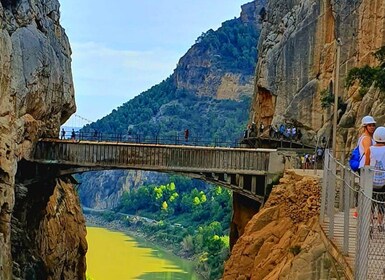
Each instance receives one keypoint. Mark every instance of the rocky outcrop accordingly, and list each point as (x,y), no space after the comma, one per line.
(36,96)
(201,70)
(283,241)
(297,61)
(48,232)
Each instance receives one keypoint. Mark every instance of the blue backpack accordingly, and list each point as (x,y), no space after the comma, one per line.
(355,159)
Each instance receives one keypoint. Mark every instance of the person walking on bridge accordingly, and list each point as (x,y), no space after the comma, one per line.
(63,134)
(365,141)
(376,159)
(368,125)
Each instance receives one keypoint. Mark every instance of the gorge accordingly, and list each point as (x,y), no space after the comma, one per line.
(42,228)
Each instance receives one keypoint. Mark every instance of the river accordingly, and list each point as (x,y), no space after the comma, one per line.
(114,255)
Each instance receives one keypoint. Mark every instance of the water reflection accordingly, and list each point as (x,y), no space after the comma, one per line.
(114,255)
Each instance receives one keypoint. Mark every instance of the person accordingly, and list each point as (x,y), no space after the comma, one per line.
(368,125)
(253,130)
(95,135)
(376,160)
(63,134)
(320,153)
(261,128)
(186,134)
(73,134)
(307,161)
(299,135)
(323,141)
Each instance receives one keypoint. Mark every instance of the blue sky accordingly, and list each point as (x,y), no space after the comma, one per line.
(121,48)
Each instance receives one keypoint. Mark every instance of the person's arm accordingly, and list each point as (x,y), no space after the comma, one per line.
(366,143)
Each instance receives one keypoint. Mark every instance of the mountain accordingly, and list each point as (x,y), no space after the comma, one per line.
(209,93)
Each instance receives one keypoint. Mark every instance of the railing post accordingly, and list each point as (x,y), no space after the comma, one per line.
(325,181)
(363,223)
(346,208)
(331,196)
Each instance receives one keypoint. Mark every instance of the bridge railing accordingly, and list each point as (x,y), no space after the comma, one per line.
(352,217)
(177,139)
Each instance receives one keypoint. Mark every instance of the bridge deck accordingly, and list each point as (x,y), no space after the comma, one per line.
(181,158)
(244,170)
(338,239)
(376,260)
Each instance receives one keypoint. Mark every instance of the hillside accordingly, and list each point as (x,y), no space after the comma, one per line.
(209,93)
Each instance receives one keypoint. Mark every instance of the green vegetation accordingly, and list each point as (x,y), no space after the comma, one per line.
(233,45)
(195,220)
(367,76)
(327,98)
(166,110)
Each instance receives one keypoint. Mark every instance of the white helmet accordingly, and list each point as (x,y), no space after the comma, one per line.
(379,134)
(367,120)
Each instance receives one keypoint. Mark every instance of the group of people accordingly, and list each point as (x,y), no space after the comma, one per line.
(310,161)
(371,145)
(63,134)
(283,131)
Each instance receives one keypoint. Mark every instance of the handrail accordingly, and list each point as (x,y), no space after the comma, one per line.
(145,139)
(343,191)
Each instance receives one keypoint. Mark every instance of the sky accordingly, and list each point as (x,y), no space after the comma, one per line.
(121,48)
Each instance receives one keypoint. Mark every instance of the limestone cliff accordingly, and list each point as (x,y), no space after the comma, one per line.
(283,240)
(205,68)
(297,61)
(36,96)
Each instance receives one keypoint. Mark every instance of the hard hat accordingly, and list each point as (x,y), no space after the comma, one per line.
(379,134)
(367,120)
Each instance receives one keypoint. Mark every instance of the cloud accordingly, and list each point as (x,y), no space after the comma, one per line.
(135,71)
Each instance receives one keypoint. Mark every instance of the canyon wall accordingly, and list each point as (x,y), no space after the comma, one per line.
(297,63)
(36,97)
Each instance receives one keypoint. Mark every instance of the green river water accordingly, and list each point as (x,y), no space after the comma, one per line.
(116,256)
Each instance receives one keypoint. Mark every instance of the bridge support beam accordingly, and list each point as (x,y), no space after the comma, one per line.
(244,209)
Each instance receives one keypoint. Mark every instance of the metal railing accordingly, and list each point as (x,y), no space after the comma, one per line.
(146,139)
(352,217)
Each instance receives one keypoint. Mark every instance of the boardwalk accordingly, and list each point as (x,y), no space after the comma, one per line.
(338,238)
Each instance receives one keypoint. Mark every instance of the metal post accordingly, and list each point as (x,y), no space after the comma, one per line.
(336,97)
(331,196)
(363,226)
(324,185)
(348,181)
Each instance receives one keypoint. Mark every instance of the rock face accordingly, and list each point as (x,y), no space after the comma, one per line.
(103,189)
(283,240)
(297,61)
(36,96)
(201,70)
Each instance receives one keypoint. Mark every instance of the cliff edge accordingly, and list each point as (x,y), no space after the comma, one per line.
(283,241)
(36,97)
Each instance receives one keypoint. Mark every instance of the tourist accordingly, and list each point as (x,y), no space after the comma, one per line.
(376,159)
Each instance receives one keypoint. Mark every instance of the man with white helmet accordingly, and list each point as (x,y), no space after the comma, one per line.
(376,159)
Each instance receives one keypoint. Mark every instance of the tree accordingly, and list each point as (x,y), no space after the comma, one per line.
(367,76)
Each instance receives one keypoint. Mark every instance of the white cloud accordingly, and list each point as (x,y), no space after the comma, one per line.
(137,70)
